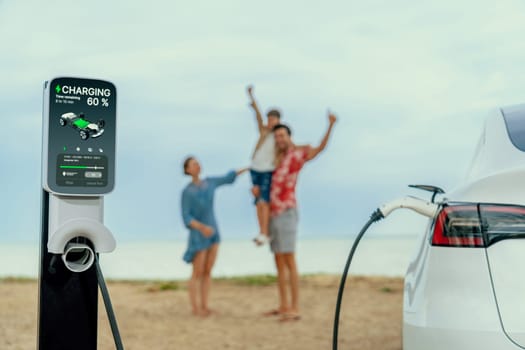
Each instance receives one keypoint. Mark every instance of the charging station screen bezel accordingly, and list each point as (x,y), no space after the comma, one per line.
(79,136)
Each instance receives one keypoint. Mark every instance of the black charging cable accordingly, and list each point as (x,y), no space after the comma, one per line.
(376,216)
(109,307)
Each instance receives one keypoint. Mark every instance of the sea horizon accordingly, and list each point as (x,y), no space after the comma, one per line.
(162,259)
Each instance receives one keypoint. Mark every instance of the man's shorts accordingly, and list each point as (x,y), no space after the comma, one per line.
(283,231)
(264,181)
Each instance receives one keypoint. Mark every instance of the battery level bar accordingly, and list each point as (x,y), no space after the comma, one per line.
(81,167)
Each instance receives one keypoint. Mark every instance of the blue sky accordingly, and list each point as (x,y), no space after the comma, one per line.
(410,81)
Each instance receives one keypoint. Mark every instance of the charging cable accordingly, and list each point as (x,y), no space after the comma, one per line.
(376,216)
(418,205)
(109,307)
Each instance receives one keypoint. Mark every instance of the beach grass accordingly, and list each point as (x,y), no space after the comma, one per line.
(17,279)
(164,286)
(246,280)
(251,280)
(177,284)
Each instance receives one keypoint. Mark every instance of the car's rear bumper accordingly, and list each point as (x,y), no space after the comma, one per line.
(427,338)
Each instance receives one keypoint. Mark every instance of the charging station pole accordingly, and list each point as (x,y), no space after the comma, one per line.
(78,168)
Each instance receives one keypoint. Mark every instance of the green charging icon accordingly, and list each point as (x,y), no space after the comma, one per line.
(58,89)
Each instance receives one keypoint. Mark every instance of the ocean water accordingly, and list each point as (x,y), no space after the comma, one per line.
(153,260)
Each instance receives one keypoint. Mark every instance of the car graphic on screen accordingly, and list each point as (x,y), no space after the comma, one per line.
(85,128)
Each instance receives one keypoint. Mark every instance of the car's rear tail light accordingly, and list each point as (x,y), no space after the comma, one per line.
(458,226)
(473,226)
(502,222)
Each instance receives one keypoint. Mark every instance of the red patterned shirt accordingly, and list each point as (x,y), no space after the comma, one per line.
(284,179)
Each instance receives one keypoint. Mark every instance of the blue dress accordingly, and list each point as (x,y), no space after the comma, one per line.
(197,204)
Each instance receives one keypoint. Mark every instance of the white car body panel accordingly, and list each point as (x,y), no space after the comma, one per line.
(451,293)
(473,297)
(495,152)
(507,264)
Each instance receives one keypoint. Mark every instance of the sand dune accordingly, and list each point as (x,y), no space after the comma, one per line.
(152,318)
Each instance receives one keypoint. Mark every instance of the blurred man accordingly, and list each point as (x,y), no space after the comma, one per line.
(283,223)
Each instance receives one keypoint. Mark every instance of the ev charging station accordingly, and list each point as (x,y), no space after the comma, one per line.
(78,169)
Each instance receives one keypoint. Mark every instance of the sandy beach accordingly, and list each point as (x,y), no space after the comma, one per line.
(156,315)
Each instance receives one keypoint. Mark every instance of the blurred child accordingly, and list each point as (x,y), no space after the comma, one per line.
(262,167)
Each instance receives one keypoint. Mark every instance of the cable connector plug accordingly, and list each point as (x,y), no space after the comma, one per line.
(418,205)
(377,215)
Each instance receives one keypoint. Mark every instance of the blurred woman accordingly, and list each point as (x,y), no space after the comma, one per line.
(204,237)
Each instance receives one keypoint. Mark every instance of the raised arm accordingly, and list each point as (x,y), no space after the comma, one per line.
(314,151)
(226,179)
(253,104)
(242,170)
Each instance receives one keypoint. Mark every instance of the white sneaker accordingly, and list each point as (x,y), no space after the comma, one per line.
(261,239)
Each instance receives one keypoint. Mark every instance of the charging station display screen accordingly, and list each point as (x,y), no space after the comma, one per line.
(79,141)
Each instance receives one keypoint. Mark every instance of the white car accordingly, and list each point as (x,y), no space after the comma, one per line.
(465,285)
(85,128)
